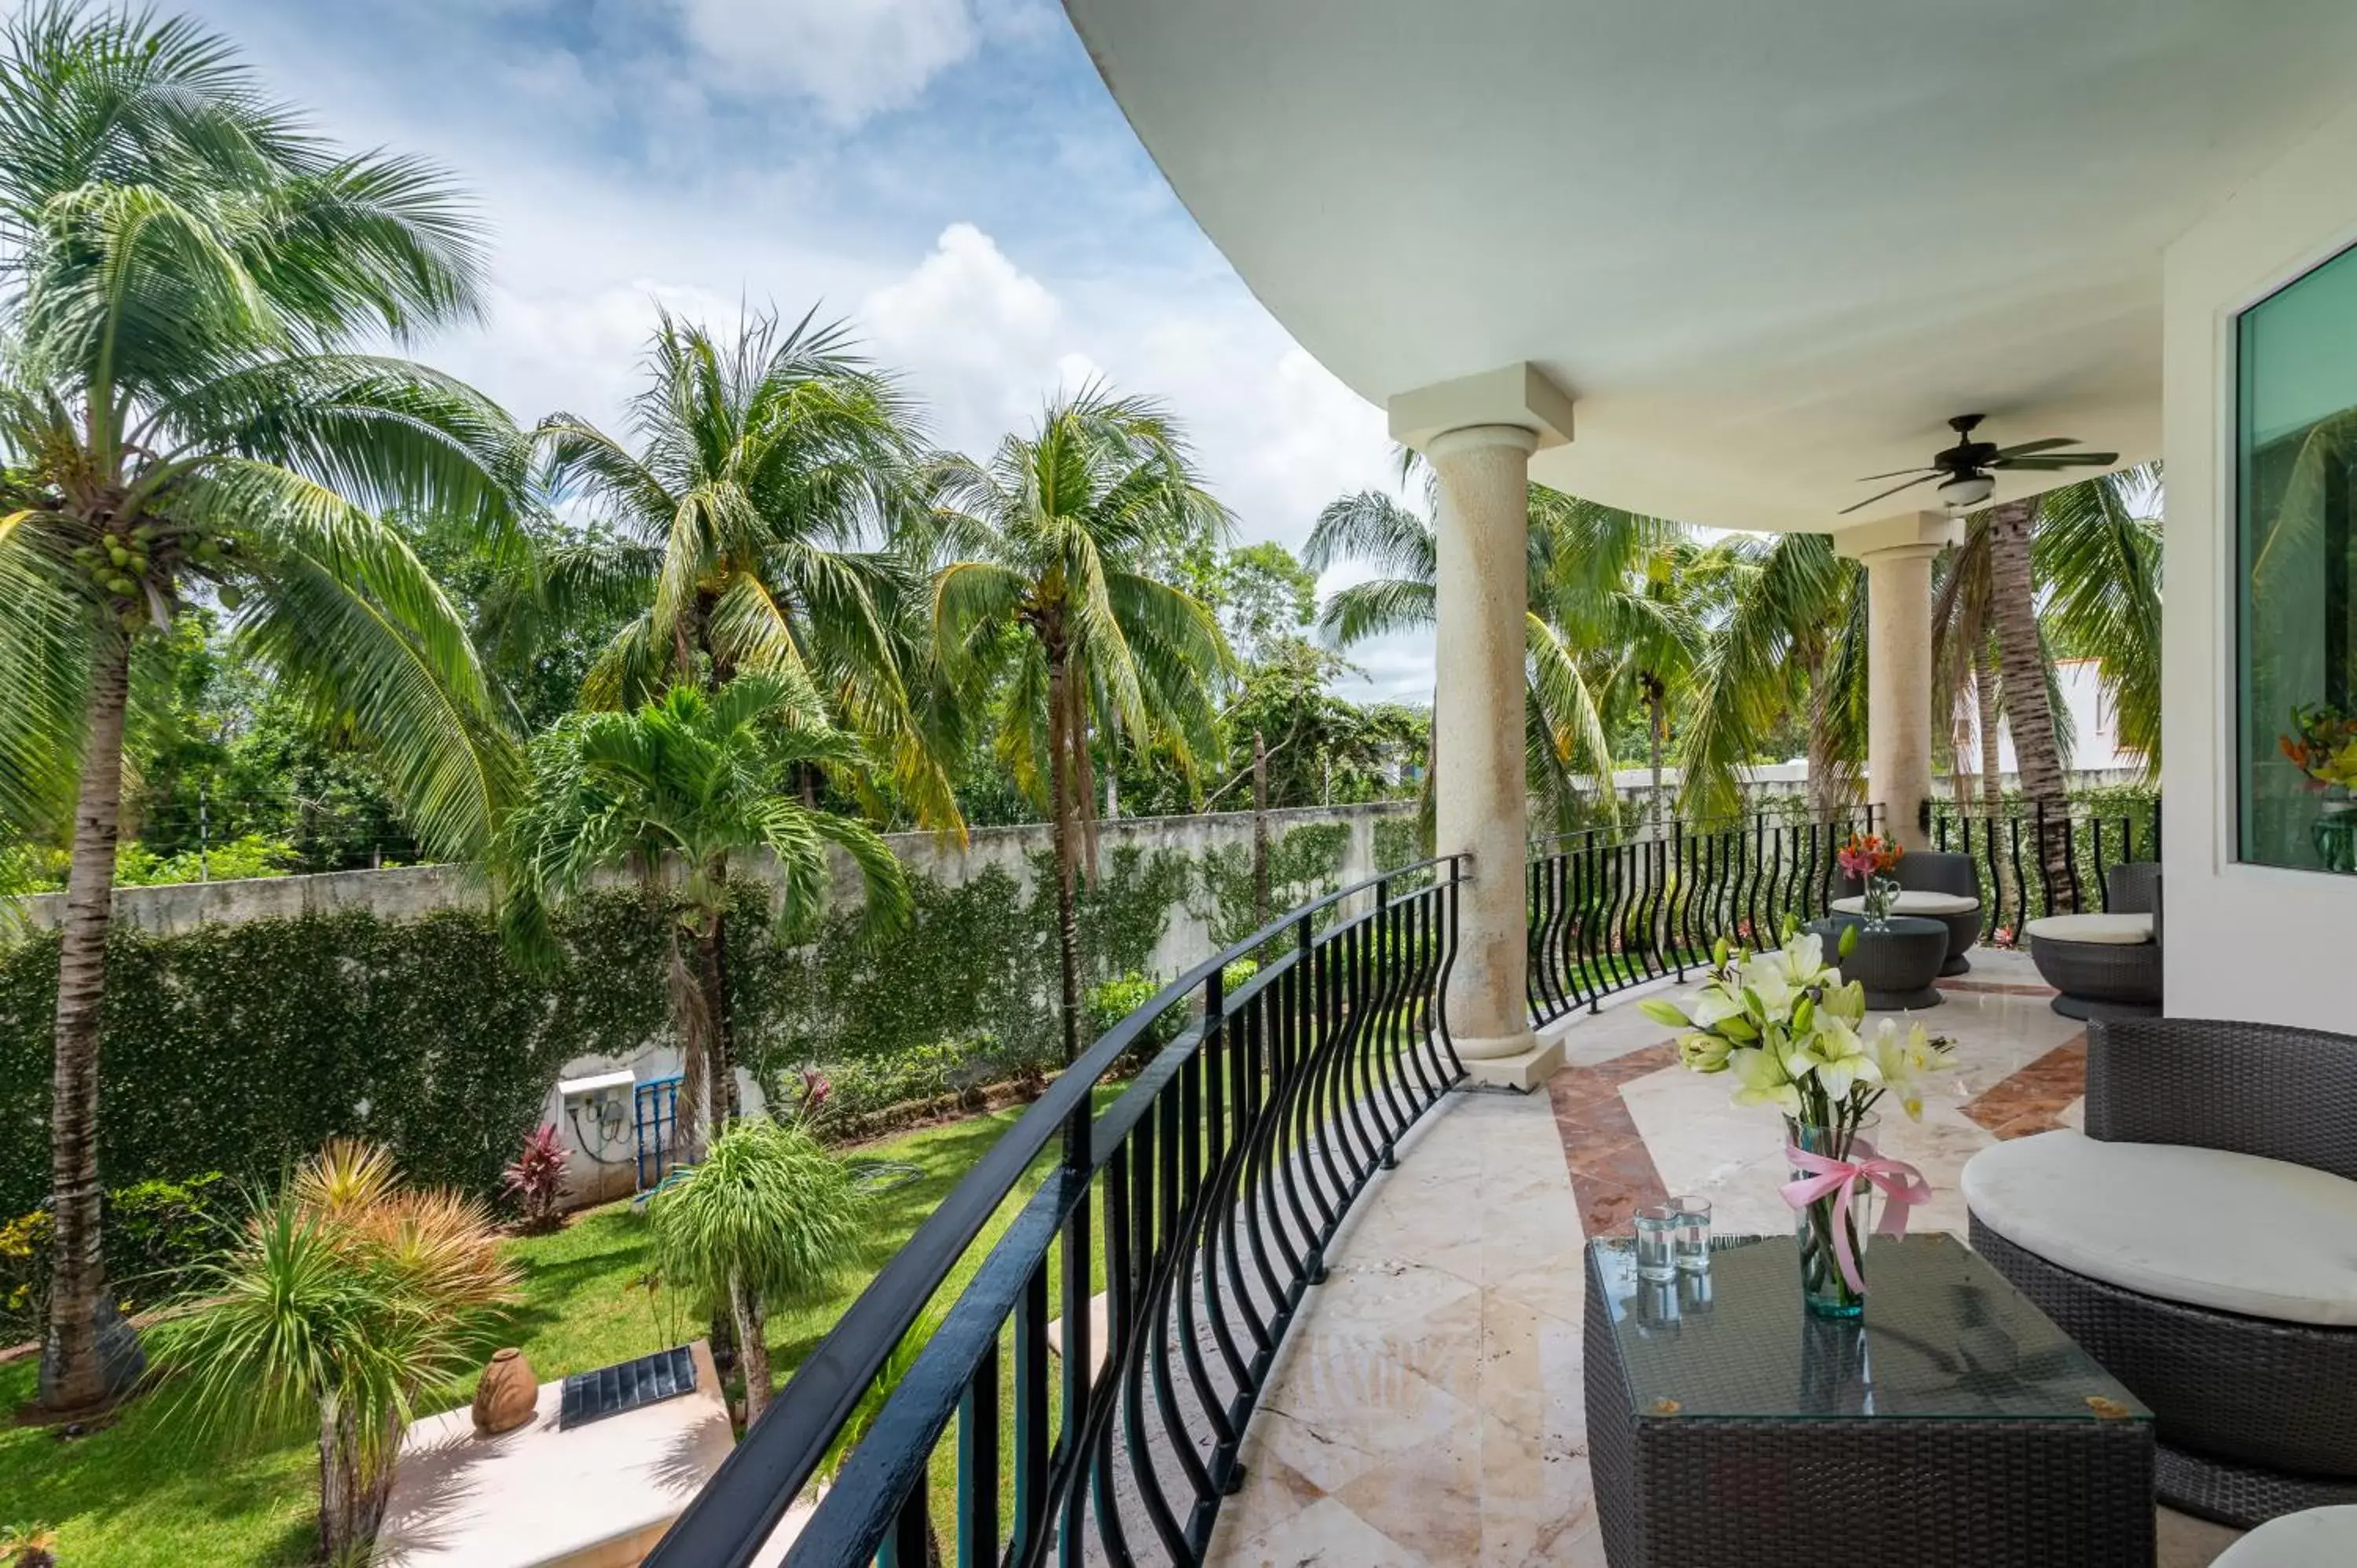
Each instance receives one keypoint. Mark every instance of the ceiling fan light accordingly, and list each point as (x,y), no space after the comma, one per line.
(1966,490)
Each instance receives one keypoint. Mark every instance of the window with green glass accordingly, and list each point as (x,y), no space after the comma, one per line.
(2296,655)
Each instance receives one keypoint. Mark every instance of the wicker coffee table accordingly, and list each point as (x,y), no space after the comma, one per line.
(1954,1427)
(1896,964)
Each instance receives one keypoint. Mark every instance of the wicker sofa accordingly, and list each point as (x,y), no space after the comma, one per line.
(2106,965)
(1934,886)
(2196,1241)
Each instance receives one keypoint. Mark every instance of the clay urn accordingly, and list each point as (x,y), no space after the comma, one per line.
(506,1395)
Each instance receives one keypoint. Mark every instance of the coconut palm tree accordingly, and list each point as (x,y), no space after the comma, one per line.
(673,792)
(1791,639)
(346,1299)
(185,415)
(1046,586)
(749,519)
(769,1217)
(2075,566)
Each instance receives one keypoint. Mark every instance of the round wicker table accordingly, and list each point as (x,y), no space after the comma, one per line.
(1896,964)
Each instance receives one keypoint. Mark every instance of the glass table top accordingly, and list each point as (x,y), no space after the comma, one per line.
(1944,1337)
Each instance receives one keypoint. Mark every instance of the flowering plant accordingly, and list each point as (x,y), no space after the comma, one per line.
(536,1177)
(1863,855)
(2324,745)
(1792,1034)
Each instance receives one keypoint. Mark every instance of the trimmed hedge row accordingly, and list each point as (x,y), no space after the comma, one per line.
(241,1048)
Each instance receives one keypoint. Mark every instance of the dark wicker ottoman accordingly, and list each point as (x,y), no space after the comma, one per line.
(1897,966)
(1954,1427)
(2100,980)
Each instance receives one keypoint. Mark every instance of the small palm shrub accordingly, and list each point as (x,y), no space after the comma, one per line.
(768,1217)
(536,1177)
(34,1546)
(346,1298)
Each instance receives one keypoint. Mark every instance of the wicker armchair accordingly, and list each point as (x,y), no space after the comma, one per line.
(2256,1413)
(2106,965)
(1954,886)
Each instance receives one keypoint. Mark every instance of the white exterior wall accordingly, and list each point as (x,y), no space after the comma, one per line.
(2244,941)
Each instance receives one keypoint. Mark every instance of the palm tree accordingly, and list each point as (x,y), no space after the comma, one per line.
(769,1217)
(1050,542)
(751,529)
(184,417)
(2074,566)
(345,1300)
(1791,639)
(671,793)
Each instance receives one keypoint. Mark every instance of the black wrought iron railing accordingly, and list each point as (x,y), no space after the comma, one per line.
(2035,860)
(1181,1225)
(1613,908)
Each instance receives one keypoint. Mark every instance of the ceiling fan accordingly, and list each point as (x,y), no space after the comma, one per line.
(1968,463)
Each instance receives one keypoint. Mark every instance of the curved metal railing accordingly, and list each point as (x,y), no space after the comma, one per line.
(1198,1205)
(1610,908)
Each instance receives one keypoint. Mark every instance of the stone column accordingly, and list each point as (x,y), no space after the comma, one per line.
(1898,555)
(1481,793)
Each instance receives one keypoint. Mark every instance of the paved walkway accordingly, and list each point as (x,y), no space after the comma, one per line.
(1427,1409)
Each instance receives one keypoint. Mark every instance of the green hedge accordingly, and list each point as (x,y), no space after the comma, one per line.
(241,1048)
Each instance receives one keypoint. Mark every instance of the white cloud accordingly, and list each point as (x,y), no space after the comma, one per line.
(855,58)
(981,340)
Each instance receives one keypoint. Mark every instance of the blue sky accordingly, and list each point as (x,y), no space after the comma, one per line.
(949,174)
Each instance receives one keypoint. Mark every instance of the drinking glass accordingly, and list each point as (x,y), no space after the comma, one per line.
(1692,1243)
(1657,1232)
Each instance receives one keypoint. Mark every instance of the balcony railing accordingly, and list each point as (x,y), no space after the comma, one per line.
(1181,1217)
(1612,908)
(1199,1203)
(2034,860)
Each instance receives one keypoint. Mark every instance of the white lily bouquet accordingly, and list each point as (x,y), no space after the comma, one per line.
(1793,1033)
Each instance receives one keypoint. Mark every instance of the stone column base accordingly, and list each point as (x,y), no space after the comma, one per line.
(1520,1062)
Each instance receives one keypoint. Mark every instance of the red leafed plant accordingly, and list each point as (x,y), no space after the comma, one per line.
(537,1178)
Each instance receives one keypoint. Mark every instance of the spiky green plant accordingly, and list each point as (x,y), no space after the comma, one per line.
(769,1217)
(347,1298)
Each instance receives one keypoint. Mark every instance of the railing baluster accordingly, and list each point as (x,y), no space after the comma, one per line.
(977,1466)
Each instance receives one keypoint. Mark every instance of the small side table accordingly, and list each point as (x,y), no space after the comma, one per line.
(1953,1426)
(1896,965)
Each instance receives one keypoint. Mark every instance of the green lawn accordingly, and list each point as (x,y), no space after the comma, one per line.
(139,1495)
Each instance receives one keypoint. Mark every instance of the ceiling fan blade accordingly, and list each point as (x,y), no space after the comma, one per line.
(1893,490)
(1895,473)
(2029,448)
(2060,460)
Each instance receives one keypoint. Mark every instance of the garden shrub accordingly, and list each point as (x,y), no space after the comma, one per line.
(156,1232)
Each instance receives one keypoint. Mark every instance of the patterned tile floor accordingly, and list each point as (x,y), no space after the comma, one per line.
(1428,1411)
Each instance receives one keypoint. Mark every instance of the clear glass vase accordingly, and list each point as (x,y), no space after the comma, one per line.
(2335,832)
(1881,897)
(1819,1227)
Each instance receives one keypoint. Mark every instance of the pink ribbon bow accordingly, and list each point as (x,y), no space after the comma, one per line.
(1900,1184)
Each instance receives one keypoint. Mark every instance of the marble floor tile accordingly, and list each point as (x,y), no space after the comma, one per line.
(1427,1408)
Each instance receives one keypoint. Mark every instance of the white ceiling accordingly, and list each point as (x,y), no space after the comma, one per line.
(1768,245)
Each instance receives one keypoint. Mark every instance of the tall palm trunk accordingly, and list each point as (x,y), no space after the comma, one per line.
(2014,606)
(690,1017)
(89,1355)
(1824,760)
(1656,736)
(1060,809)
(752,1345)
(1992,778)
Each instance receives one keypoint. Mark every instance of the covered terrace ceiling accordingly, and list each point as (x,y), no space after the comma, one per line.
(1768,247)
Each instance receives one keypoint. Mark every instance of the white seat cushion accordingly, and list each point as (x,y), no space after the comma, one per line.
(2232,1232)
(1912,903)
(2317,1538)
(2113,930)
